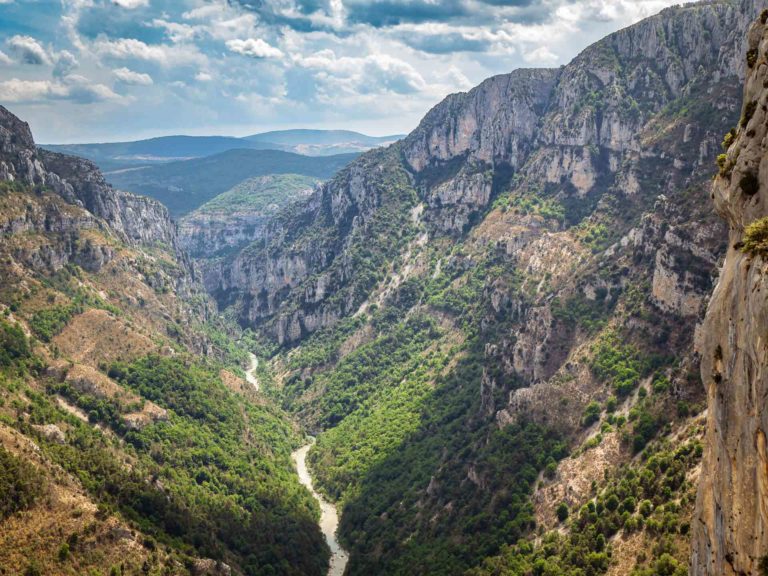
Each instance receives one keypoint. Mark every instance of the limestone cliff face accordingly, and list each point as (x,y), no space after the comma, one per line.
(134,218)
(86,202)
(596,132)
(730,531)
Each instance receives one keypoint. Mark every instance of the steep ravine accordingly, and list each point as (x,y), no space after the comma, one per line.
(730,528)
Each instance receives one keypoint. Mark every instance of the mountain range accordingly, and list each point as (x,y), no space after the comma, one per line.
(111,156)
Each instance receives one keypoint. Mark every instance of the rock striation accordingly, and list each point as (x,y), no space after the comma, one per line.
(135,220)
(730,530)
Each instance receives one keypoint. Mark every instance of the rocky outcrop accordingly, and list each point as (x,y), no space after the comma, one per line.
(730,531)
(79,182)
(82,200)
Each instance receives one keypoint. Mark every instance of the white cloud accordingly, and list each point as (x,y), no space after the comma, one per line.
(75,88)
(254,47)
(541,56)
(131,4)
(161,54)
(176,31)
(4,59)
(128,76)
(369,74)
(203,77)
(29,51)
(65,64)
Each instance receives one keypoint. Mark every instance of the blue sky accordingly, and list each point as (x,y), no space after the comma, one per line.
(102,70)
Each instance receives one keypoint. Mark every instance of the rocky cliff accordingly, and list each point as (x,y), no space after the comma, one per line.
(575,134)
(79,182)
(730,532)
(135,220)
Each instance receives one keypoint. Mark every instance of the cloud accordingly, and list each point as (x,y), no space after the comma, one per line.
(176,31)
(375,73)
(73,88)
(29,51)
(203,77)
(128,76)
(4,59)
(541,56)
(65,64)
(131,4)
(161,54)
(254,47)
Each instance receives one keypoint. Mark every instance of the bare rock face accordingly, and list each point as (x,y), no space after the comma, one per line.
(78,183)
(730,531)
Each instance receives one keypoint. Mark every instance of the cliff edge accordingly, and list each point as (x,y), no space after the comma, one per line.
(729,529)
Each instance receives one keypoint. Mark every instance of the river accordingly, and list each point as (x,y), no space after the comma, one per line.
(250,374)
(329,517)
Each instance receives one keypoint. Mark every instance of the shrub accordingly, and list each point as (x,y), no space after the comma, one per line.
(749,111)
(728,140)
(20,484)
(756,238)
(562,512)
(63,552)
(591,414)
(752,57)
(610,405)
(14,346)
(749,184)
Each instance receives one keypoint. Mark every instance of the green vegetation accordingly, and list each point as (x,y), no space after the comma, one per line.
(591,413)
(14,346)
(48,322)
(617,363)
(21,484)
(184,186)
(583,313)
(650,498)
(221,480)
(755,240)
(749,111)
(259,194)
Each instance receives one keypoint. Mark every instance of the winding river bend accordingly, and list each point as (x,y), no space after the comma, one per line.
(250,374)
(329,518)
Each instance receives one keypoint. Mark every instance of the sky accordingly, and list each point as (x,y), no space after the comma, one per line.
(110,70)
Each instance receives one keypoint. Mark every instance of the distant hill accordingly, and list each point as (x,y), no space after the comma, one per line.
(119,155)
(236,218)
(111,156)
(323,142)
(185,185)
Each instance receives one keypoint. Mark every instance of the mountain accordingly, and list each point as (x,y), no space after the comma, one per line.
(115,156)
(185,185)
(489,324)
(732,507)
(237,218)
(323,142)
(130,443)
(112,156)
